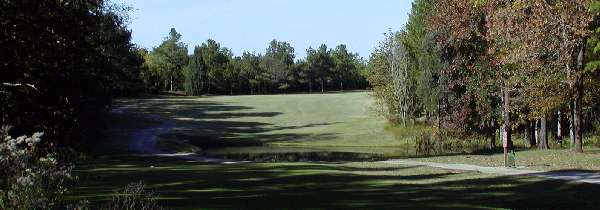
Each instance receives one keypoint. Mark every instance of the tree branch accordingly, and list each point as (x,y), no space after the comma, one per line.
(20,85)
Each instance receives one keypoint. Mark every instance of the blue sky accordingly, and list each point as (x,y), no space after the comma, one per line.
(249,25)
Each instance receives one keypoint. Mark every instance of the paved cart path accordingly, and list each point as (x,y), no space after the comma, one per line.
(577,176)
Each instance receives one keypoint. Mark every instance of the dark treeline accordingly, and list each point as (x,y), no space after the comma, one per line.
(494,66)
(213,69)
(61,63)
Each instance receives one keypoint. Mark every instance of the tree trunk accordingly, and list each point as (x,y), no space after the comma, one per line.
(543,139)
(341,86)
(536,128)
(492,134)
(322,85)
(559,127)
(571,125)
(310,89)
(506,134)
(577,123)
(507,140)
(532,138)
(493,139)
(208,87)
(578,98)
(171,81)
(527,132)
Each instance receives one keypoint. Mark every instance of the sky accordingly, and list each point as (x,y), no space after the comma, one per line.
(249,25)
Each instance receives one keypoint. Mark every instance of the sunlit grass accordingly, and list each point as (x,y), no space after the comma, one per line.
(554,159)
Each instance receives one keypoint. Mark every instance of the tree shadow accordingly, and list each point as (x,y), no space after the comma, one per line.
(186,184)
(210,124)
(476,151)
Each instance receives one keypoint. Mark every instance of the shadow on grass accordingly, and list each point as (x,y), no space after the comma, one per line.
(187,185)
(476,151)
(207,124)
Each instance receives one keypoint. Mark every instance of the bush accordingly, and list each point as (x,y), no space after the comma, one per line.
(134,197)
(30,179)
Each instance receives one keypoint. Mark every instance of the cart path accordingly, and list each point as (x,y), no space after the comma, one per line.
(577,176)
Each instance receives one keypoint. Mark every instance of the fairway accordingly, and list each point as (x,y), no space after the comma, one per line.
(332,122)
(286,124)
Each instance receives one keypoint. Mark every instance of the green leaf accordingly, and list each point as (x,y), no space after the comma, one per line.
(592,66)
(2,206)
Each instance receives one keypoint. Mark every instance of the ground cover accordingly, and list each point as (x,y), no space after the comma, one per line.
(285,124)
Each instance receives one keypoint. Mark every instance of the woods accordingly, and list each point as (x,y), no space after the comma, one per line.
(214,69)
(479,67)
(61,64)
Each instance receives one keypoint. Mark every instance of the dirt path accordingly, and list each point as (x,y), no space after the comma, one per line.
(577,176)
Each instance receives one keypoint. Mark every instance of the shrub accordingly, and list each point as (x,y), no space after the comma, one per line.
(134,197)
(30,179)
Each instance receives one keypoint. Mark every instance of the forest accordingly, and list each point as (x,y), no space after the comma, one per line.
(494,69)
(212,69)
(523,73)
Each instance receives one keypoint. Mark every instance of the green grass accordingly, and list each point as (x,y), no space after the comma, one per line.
(329,120)
(299,123)
(192,185)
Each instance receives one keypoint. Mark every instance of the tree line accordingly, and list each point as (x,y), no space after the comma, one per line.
(213,69)
(61,64)
(491,67)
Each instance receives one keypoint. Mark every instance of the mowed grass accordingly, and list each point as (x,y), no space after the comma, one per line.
(318,120)
(194,185)
(289,123)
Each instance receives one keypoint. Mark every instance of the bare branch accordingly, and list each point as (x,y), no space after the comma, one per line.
(20,85)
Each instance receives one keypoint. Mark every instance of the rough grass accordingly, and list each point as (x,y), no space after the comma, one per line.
(546,160)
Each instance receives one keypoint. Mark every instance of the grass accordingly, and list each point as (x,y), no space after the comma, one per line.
(545,160)
(193,185)
(304,123)
(315,121)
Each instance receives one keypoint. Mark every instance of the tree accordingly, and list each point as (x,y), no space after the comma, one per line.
(551,64)
(149,73)
(277,63)
(250,71)
(194,74)
(304,75)
(343,65)
(424,58)
(65,58)
(232,73)
(170,58)
(215,60)
(397,58)
(471,87)
(320,64)
(378,77)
